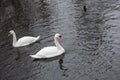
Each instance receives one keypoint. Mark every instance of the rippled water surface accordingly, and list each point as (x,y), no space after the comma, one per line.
(91,39)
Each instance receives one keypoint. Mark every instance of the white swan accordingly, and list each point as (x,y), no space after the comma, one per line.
(51,51)
(26,40)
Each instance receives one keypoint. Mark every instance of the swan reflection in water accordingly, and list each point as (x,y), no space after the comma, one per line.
(60,58)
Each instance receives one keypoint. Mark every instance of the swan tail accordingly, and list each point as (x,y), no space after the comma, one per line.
(35,56)
(37,37)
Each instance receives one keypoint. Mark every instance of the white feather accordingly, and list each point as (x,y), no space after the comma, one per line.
(26,40)
(50,51)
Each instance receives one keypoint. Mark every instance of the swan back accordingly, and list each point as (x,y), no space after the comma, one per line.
(26,41)
(48,52)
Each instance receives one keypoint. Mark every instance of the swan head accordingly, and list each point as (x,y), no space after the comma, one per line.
(11,32)
(58,36)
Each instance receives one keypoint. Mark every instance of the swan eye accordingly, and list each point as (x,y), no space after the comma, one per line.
(60,36)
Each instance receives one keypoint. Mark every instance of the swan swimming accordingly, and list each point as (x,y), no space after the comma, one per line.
(51,51)
(26,40)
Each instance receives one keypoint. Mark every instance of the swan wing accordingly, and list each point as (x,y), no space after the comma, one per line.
(48,52)
(25,41)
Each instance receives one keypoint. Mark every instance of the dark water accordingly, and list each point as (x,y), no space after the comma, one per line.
(91,39)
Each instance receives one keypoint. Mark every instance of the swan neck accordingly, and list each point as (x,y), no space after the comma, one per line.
(58,44)
(14,38)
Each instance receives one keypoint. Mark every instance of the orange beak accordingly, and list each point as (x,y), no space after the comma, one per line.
(9,34)
(61,38)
